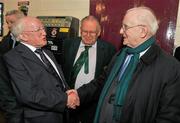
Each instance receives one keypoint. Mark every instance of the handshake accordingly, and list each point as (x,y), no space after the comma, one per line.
(73,99)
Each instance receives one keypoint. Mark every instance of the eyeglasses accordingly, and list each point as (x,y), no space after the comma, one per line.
(37,29)
(89,32)
(126,27)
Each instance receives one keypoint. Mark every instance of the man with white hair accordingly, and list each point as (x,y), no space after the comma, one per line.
(8,42)
(8,102)
(143,82)
(77,73)
(36,77)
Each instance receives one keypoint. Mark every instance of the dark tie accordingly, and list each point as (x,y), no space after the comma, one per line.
(14,42)
(82,60)
(49,66)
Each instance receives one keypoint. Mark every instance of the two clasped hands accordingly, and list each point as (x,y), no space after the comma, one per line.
(73,99)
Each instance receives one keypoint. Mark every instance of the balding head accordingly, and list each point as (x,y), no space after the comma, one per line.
(90,30)
(144,16)
(91,19)
(138,25)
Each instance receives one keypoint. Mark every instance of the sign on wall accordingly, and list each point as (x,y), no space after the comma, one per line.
(23,6)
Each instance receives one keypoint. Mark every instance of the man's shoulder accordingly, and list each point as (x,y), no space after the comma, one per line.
(105,44)
(15,52)
(11,52)
(6,37)
(156,54)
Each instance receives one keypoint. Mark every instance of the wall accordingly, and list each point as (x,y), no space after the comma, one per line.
(177,35)
(76,8)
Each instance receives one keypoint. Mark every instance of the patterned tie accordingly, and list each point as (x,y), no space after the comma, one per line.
(82,60)
(49,66)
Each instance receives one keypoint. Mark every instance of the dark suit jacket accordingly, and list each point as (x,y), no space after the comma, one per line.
(8,102)
(105,51)
(6,44)
(40,93)
(177,53)
(153,94)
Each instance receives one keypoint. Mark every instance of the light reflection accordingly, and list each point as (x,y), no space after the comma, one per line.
(170,31)
(100,7)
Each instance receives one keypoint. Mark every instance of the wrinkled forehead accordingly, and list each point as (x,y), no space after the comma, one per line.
(136,16)
(89,22)
(34,23)
(130,18)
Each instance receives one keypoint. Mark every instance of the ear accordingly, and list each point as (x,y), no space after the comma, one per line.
(144,31)
(23,37)
(80,30)
(99,32)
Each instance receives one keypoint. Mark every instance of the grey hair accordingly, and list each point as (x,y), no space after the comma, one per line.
(91,18)
(147,18)
(19,14)
(18,28)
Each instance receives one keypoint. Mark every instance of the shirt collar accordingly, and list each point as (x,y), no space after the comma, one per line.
(143,52)
(30,46)
(82,45)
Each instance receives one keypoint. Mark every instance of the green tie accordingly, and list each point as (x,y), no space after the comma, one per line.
(83,59)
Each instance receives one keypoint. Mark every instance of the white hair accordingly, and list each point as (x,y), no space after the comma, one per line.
(18,28)
(146,16)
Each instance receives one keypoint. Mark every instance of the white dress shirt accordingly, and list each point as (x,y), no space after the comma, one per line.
(32,48)
(83,78)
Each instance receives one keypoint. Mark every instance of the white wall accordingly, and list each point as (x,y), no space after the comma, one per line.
(75,8)
(177,34)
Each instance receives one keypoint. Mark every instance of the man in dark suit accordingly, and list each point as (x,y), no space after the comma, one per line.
(8,42)
(142,82)
(9,104)
(99,55)
(37,79)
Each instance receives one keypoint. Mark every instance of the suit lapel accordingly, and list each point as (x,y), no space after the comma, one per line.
(28,54)
(73,51)
(58,67)
(100,56)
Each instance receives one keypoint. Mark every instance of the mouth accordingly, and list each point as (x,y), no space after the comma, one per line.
(123,37)
(44,38)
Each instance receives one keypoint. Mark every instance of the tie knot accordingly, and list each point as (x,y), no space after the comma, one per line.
(87,47)
(39,51)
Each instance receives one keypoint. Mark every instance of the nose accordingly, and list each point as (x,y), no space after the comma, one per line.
(121,31)
(44,32)
(88,34)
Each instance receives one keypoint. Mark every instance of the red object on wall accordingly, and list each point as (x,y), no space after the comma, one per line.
(111,12)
